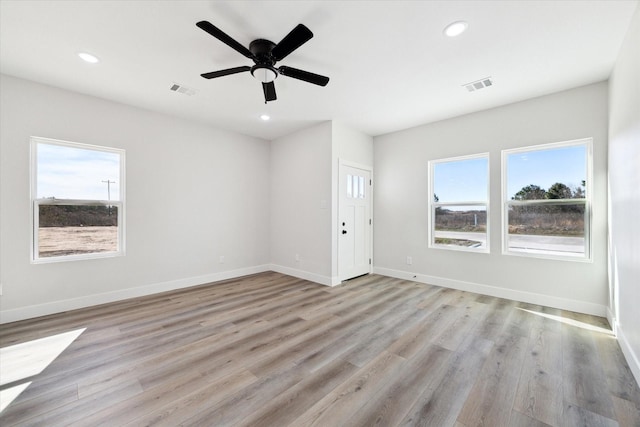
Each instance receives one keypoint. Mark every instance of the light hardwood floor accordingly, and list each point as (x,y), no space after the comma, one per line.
(272,350)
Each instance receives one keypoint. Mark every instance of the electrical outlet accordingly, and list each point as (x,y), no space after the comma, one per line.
(221,259)
(409,260)
(297,257)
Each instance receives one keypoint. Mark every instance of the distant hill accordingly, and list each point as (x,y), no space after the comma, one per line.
(77,216)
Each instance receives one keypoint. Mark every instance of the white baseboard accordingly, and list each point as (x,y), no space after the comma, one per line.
(301,274)
(32,311)
(633,359)
(511,294)
(28,312)
(612,321)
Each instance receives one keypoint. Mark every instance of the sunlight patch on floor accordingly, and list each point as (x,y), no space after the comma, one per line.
(22,361)
(570,322)
(8,395)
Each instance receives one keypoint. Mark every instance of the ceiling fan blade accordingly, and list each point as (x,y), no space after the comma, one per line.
(224,38)
(296,38)
(269,90)
(226,72)
(306,76)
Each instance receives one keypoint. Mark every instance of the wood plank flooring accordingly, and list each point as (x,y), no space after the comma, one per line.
(273,350)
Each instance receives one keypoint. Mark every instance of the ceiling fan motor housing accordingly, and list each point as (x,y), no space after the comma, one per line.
(264,69)
(261,49)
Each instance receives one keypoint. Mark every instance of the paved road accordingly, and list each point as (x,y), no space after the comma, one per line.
(477,237)
(521,242)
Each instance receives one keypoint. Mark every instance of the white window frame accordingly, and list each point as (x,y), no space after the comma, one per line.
(36,203)
(587,201)
(432,204)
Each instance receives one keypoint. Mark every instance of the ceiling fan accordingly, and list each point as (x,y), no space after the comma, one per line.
(265,54)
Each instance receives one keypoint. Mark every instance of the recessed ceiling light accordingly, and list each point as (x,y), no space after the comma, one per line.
(265,117)
(92,59)
(455,28)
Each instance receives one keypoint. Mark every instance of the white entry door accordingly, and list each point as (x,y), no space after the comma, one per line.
(354,222)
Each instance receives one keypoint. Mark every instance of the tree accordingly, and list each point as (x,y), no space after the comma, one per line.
(530,192)
(559,191)
(580,192)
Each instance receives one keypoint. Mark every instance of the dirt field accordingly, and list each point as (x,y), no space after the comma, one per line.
(58,241)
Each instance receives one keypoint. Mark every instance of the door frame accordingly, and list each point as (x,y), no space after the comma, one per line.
(342,163)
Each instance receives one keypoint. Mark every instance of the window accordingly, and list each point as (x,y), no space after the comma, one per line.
(459,203)
(355,187)
(546,192)
(77,194)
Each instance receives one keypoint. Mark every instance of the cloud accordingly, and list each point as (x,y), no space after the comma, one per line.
(73,173)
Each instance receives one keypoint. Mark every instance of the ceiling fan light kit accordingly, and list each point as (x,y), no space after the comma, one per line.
(263,73)
(265,54)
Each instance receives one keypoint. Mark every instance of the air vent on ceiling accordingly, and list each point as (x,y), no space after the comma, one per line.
(182,89)
(478,84)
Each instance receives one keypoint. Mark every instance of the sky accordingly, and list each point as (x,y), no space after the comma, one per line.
(462,180)
(466,180)
(74,173)
(567,165)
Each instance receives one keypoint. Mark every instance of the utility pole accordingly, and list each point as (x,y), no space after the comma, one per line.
(109,192)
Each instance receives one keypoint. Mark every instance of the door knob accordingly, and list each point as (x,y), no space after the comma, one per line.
(344,231)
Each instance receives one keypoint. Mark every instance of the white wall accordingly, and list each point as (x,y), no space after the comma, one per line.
(300,206)
(400,201)
(624,196)
(194,194)
(352,145)
(304,198)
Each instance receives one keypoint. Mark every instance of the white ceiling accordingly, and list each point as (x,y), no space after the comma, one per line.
(390,65)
